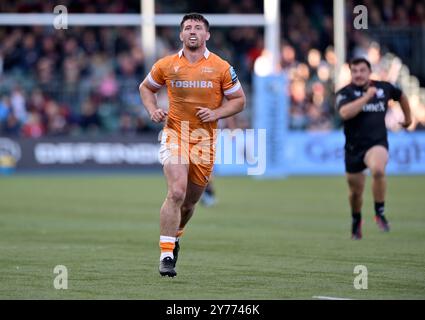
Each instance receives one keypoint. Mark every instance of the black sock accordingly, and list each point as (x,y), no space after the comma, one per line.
(357,216)
(357,219)
(379,208)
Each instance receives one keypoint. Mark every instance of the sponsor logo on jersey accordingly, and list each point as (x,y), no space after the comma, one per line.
(207,69)
(374,107)
(191,84)
(380,93)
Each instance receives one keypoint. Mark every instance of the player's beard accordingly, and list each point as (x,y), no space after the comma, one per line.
(193,47)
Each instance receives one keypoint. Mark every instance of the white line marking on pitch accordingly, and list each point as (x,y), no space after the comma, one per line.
(329,298)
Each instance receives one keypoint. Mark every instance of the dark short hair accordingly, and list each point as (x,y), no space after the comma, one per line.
(357,61)
(197,17)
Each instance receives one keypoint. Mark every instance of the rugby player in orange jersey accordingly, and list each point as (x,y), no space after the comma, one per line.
(197,80)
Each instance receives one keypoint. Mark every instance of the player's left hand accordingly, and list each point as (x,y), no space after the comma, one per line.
(206,114)
(406,123)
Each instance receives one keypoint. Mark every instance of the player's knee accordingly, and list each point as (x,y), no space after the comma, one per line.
(355,188)
(177,194)
(378,172)
(356,193)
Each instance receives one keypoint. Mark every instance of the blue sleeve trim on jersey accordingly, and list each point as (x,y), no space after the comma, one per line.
(233,74)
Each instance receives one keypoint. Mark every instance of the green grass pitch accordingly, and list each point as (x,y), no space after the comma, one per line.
(266,239)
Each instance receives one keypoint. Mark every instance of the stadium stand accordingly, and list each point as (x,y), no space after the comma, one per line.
(83,80)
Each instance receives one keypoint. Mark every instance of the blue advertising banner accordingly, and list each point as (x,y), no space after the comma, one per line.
(314,153)
(323,153)
(305,153)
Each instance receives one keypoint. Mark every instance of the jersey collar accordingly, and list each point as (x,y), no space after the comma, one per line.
(206,53)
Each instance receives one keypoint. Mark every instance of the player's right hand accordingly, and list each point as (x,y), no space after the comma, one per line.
(158,115)
(370,92)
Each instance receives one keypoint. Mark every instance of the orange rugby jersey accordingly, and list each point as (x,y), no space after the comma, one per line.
(201,84)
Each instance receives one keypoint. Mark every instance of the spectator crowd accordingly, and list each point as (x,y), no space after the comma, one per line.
(84,80)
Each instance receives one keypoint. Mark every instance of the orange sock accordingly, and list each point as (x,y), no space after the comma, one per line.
(166,245)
